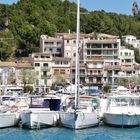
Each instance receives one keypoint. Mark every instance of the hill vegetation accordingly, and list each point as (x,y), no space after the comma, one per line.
(22,24)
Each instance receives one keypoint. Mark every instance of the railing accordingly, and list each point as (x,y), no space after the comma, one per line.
(112,67)
(45,76)
(45,68)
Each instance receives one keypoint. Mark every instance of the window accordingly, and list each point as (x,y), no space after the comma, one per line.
(36,56)
(126,54)
(44,73)
(107,46)
(56,71)
(62,71)
(45,64)
(115,45)
(58,50)
(37,82)
(88,52)
(88,45)
(90,72)
(45,81)
(37,64)
(65,62)
(42,56)
(50,49)
(96,45)
(57,62)
(59,43)
(47,56)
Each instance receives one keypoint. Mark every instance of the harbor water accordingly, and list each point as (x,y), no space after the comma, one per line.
(55,133)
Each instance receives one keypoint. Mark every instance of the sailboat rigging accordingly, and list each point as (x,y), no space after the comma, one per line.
(80,112)
(77,57)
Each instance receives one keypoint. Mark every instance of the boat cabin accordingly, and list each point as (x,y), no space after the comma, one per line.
(53,104)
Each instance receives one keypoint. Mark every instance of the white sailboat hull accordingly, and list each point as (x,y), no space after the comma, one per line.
(39,119)
(79,120)
(8,119)
(126,120)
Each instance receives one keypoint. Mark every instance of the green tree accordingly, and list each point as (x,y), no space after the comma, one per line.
(27,76)
(60,80)
(106,88)
(123,81)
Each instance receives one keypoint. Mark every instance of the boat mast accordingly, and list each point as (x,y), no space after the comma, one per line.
(77,56)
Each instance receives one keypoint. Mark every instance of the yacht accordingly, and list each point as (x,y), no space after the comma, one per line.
(9,117)
(42,112)
(123,109)
(10,110)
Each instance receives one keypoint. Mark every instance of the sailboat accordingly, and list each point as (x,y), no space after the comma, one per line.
(9,115)
(83,113)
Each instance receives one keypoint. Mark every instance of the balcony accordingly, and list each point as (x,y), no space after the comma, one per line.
(109,74)
(112,67)
(95,74)
(45,69)
(45,76)
(127,68)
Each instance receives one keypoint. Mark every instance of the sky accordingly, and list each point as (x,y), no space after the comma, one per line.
(116,6)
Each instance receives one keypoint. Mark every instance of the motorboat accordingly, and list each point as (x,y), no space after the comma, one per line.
(10,111)
(9,118)
(123,110)
(42,112)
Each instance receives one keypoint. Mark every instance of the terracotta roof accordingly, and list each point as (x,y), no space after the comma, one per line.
(24,65)
(14,64)
(43,54)
(7,64)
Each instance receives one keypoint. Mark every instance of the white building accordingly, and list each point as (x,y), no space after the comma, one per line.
(127,61)
(132,40)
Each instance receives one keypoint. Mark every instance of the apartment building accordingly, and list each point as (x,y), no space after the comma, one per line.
(82,73)
(108,48)
(111,69)
(127,60)
(51,45)
(61,71)
(98,54)
(42,63)
(132,40)
(95,71)
(101,58)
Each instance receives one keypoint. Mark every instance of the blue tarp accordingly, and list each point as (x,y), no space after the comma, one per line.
(93,91)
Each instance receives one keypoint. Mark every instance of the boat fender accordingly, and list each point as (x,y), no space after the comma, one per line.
(93,109)
(130,113)
(13,107)
(54,120)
